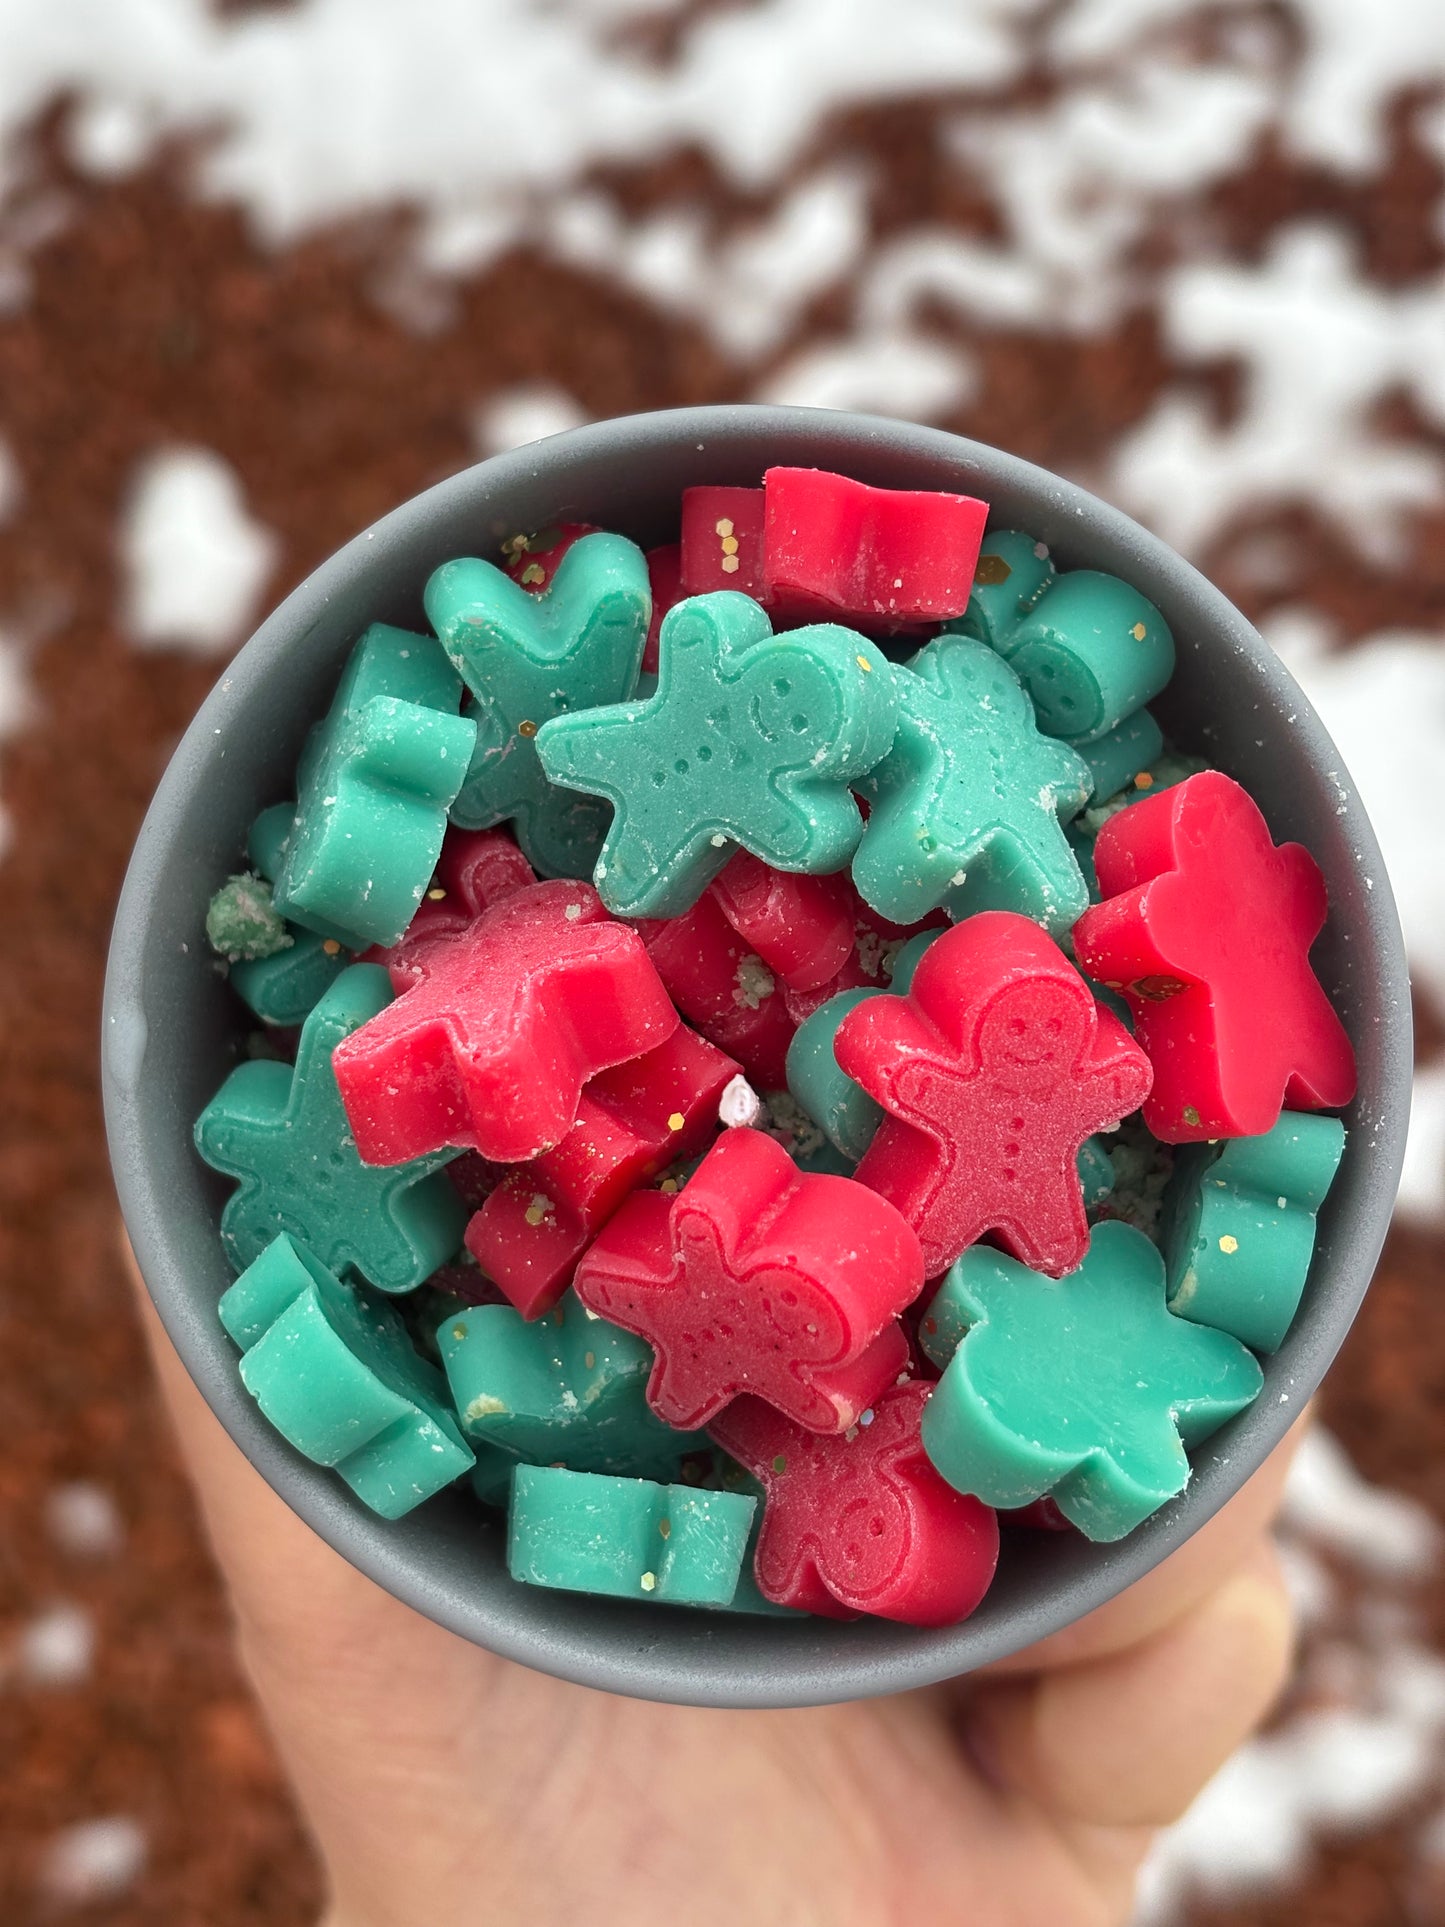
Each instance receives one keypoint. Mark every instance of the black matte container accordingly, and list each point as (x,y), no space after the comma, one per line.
(172,1029)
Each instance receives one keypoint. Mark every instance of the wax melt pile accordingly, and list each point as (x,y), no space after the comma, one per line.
(788,1064)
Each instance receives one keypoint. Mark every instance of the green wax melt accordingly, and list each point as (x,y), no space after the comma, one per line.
(1086,1388)
(284,1134)
(842,1110)
(968,806)
(242,923)
(284,988)
(376,779)
(334,1371)
(1013,572)
(1126,752)
(527,658)
(751,741)
(628,1538)
(1239,1225)
(1096,1171)
(568,1390)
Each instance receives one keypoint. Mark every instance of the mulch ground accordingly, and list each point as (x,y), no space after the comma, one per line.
(152,320)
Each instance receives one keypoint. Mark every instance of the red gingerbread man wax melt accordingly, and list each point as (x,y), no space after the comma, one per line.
(490,1046)
(862,1523)
(757,1277)
(1206,928)
(993,1070)
(632,1122)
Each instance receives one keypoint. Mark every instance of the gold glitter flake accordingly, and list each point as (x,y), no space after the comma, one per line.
(1138,632)
(331,947)
(435,895)
(991,569)
(649,1582)
(676,1121)
(527,728)
(724,527)
(864,664)
(730,565)
(1228,1245)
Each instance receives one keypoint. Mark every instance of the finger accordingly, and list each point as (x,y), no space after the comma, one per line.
(1128,1740)
(1178,1583)
(297,1602)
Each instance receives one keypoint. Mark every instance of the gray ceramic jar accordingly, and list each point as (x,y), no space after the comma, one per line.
(172,1029)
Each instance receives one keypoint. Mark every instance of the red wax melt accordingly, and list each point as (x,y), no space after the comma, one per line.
(533,560)
(862,1523)
(722,540)
(1206,929)
(837,550)
(632,1122)
(757,1277)
(993,1069)
(476,869)
(490,1046)
(664,575)
(723,987)
(801,926)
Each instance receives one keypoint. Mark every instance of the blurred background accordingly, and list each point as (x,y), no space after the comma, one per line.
(267,269)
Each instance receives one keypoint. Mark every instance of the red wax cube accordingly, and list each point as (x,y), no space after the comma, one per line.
(758,1277)
(837,550)
(722,540)
(1206,929)
(664,574)
(632,1122)
(801,926)
(862,1523)
(993,1069)
(491,1045)
(476,868)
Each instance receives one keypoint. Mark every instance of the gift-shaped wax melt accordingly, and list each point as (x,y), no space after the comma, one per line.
(283,988)
(334,1371)
(476,869)
(967,808)
(664,575)
(569,1390)
(994,1069)
(1088,1387)
(756,1277)
(526,657)
(1088,647)
(1206,929)
(626,1538)
(490,1047)
(376,780)
(1239,1226)
(284,1134)
(751,739)
(722,541)
(632,1122)
(833,547)
(801,926)
(862,1523)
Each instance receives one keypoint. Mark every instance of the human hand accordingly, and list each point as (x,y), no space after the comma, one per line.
(446,1786)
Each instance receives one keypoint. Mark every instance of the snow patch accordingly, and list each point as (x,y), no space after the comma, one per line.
(83,1520)
(195,562)
(1422,1182)
(526,412)
(881,373)
(56,1648)
(95,1860)
(1320,349)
